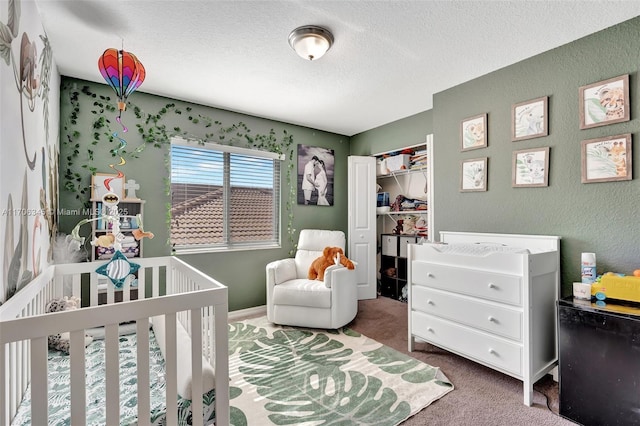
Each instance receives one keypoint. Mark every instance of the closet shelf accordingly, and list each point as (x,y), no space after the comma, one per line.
(404,212)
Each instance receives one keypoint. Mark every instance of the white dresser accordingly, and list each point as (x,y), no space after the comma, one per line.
(490,298)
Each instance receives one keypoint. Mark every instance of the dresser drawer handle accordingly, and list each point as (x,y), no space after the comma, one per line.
(429,275)
(492,319)
(430,330)
(492,285)
(492,351)
(430,302)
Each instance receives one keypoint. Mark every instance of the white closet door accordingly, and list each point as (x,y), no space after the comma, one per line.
(362,222)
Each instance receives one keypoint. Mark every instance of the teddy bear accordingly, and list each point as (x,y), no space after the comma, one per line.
(106,240)
(330,256)
(61,341)
(409,225)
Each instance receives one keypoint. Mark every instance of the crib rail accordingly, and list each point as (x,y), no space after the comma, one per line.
(167,287)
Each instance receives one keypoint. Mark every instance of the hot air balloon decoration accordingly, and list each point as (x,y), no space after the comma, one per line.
(123,72)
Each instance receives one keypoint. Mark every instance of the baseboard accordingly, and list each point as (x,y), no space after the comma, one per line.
(249,312)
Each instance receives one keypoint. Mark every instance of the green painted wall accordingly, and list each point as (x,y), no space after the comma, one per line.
(408,131)
(242,271)
(598,217)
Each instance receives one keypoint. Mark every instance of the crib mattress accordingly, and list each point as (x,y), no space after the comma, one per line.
(59,388)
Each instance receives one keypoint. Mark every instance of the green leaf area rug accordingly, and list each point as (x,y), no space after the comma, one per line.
(295,376)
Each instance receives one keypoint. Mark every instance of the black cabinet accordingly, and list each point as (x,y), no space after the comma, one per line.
(393,265)
(599,363)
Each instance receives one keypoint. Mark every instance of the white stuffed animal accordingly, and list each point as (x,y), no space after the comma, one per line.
(61,341)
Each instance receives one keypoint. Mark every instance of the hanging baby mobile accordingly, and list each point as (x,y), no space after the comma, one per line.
(124,73)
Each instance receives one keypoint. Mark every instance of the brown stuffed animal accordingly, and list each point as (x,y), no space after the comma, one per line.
(328,258)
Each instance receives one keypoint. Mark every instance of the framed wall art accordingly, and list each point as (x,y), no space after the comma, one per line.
(530,119)
(473,175)
(607,159)
(315,175)
(102,183)
(473,132)
(530,168)
(604,102)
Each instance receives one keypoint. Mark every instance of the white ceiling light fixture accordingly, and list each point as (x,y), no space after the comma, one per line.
(310,41)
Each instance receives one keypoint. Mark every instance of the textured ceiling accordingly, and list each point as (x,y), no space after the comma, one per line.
(388,59)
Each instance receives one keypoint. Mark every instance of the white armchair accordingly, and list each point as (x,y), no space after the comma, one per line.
(293,299)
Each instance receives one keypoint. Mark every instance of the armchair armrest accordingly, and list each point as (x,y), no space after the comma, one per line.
(343,283)
(280,271)
(338,274)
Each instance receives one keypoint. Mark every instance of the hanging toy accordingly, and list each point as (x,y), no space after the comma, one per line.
(124,73)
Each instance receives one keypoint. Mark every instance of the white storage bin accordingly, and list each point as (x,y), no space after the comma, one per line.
(404,242)
(389,245)
(397,162)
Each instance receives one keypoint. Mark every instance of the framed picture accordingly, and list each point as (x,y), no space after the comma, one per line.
(607,159)
(473,176)
(315,175)
(530,119)
(102,183)
(473,132)
(604,102)
(530,167)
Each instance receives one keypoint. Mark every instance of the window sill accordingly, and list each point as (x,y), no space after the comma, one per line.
(205,250)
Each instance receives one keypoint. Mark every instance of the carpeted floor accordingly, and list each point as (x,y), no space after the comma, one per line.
(481,396)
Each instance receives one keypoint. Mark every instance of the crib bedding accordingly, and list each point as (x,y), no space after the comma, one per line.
(59,387)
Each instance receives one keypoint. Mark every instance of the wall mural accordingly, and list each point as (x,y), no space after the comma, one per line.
(30,226)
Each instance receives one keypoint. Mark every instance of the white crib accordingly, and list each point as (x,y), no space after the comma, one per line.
(170,289)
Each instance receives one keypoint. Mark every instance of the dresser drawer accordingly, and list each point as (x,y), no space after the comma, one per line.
(487,285)
(489,317)
(476,345)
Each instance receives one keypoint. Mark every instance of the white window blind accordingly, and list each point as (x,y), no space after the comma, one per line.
(223,197)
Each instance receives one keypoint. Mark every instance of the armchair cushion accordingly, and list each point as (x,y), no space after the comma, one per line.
(302,292)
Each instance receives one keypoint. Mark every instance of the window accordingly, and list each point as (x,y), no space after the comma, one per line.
(223,197)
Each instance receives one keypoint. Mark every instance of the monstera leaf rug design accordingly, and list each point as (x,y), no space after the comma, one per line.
(291,376)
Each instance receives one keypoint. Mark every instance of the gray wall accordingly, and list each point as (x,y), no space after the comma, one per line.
(597,217)
(242,271)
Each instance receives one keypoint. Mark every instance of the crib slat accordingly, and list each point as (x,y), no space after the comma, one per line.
(171,369)
(78,392)
(222,364)
(18,383)
(4,385)
(196,366)
(14,364)
(142,286)
(144,403)
(93,289)
(126,290)
(110,293)
(155,279)
(112,374)
(39,400)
